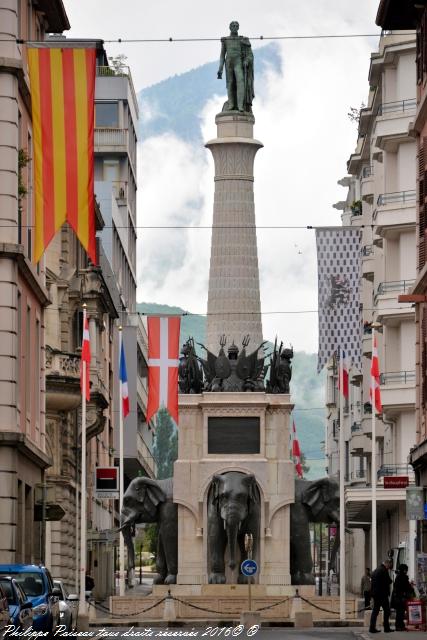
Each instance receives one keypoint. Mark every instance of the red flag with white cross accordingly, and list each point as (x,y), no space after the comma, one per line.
(163,353)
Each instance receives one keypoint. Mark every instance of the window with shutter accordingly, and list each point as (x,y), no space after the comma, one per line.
(424,40)
(423,381)
(422,177)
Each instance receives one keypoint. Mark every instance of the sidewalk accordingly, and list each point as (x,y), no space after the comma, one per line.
(397,635)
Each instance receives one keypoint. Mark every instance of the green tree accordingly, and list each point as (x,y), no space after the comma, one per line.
(304,464)
(165,448)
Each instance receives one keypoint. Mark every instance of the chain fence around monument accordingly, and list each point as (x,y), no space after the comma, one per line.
(99,606)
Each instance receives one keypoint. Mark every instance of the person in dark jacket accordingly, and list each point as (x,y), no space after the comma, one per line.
(402,591)
(380,590)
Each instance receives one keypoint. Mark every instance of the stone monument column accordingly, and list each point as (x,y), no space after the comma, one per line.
(233,300)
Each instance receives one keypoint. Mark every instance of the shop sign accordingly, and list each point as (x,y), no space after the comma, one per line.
(396,482)
(107,482)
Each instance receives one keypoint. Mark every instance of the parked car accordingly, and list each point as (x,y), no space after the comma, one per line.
(4,610)
(68,606)
(37,584)
(20,608)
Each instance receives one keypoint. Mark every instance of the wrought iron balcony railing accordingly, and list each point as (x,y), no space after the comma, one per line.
(401,286)
(395,470)
(367,250)
(356,427)
(397,196)
(397,377)
(396,106)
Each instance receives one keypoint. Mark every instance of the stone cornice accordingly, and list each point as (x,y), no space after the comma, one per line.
(16,252)
(19,441)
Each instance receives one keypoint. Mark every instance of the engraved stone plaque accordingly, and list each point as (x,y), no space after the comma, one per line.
(233,434)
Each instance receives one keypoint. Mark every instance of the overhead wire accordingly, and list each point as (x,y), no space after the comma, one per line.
(171,39)
(184,314)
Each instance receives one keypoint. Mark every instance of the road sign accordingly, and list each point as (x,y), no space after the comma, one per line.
(249,567)
(52,512)
(396,482)
(107,482)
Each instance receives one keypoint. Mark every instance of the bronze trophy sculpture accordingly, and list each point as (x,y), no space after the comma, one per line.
(236,54)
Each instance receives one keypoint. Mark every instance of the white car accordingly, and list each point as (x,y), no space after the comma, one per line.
(68,606)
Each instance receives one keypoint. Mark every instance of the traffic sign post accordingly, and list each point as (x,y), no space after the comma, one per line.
(249,567)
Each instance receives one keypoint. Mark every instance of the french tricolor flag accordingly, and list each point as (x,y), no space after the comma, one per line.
(124,383)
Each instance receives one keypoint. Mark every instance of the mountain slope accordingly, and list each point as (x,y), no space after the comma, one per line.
(176,104)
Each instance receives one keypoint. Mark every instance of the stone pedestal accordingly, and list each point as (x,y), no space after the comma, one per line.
(273,470)
(233,275)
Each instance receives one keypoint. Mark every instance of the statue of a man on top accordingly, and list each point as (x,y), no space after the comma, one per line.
(236,54)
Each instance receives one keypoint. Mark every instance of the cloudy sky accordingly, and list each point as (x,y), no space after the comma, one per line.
(301,117)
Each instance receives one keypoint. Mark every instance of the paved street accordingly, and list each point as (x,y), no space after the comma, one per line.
(274,633)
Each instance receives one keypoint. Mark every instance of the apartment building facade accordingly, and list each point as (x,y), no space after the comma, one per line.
(24,456)
(41,334)
(381,200)
(116,123)
(407,15)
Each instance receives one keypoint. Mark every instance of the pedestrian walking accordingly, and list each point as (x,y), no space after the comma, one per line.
(365,588)
(402,591)
(380,589)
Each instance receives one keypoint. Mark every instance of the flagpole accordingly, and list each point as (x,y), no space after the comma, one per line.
(374,560)
(342,495)
(83,545)
(121,481)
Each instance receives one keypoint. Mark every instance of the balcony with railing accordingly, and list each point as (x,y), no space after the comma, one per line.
(120,190)
(393,209)
(111,138)
(368,262)
(356,427)
(397,389)
(122,72)
(397,106)
(395,287)
(367,185)
(142,392)
(146,457)
(385,301)
(392,123)
(396,196)
(62,380)
(396,470)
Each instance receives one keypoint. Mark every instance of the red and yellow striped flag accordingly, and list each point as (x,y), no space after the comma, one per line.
(63,98)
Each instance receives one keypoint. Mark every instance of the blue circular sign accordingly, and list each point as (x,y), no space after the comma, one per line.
(249,568)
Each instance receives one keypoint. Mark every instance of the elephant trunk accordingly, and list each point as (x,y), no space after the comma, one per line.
(232,530)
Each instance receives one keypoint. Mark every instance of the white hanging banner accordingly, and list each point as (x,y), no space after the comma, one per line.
(339,271)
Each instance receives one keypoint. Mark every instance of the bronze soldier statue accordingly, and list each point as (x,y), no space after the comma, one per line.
(236,54)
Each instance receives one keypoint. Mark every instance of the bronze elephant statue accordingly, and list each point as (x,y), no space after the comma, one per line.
(148,501)
(233,510)
(315,501)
